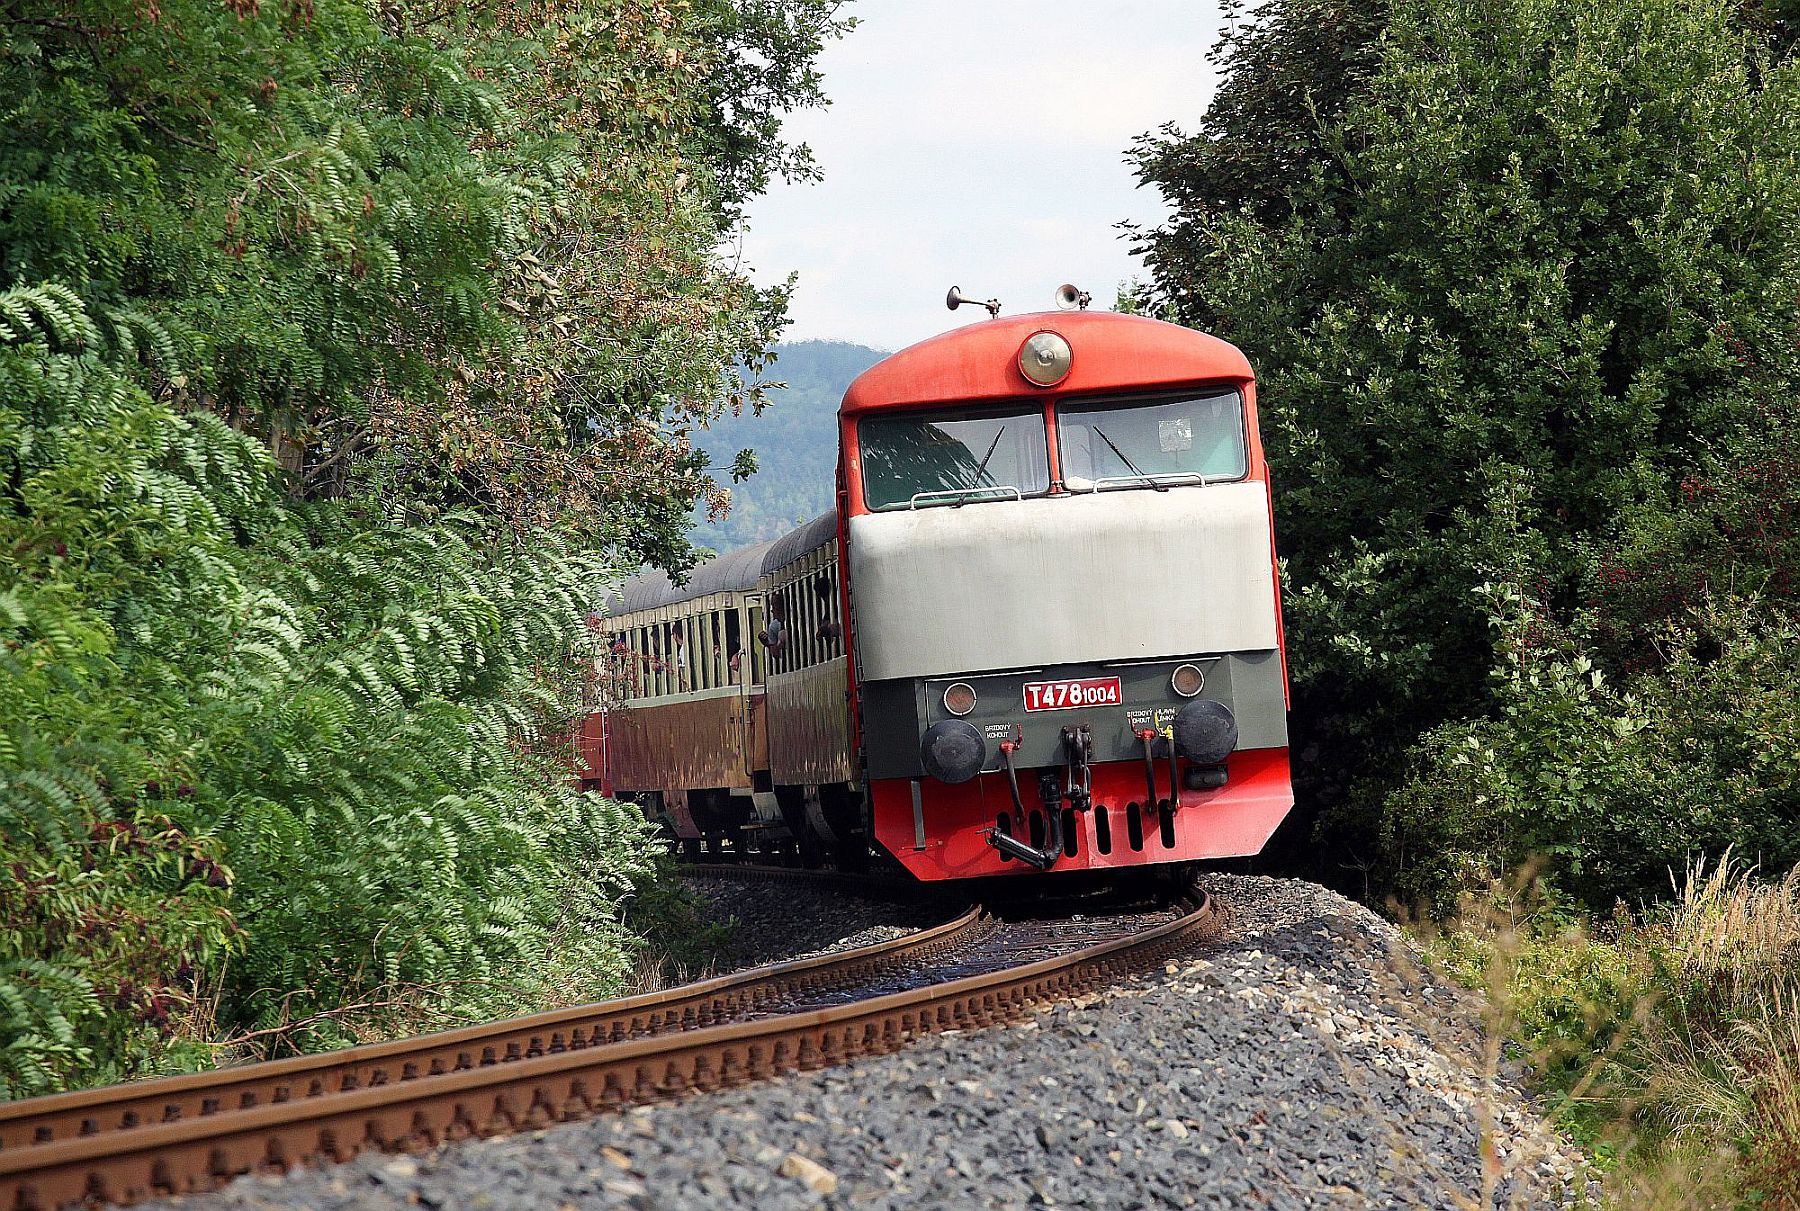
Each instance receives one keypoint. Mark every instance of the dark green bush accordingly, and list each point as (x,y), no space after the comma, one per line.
(260,761)
(1513,276)
(1613,785)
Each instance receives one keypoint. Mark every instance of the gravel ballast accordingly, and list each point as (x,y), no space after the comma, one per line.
(777,920)
(1302,1061)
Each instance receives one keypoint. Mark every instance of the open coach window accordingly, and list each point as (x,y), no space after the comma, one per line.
(947,458)
(1124,443)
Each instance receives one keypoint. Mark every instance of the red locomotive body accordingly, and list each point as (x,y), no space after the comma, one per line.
(1040,632)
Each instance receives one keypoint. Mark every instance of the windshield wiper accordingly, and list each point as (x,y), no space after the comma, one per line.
(1133,467)
(981,471)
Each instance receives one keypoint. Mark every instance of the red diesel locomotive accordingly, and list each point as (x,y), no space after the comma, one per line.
(1041,631)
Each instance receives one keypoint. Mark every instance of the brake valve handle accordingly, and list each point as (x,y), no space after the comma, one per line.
(1148,737)
(1174,769)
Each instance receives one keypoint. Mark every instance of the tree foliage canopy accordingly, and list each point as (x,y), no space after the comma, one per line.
(345,351)
(456,256)
(1511,275)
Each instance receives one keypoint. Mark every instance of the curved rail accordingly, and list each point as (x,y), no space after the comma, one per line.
(90,1112)
(402,1107)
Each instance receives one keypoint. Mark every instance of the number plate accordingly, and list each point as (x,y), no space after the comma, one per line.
(1062,695)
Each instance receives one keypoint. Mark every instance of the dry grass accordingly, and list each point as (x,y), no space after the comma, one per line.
(1734,931)
(1669,1045)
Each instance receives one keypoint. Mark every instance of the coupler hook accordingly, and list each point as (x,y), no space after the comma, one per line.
(1005,842)
(1078,751)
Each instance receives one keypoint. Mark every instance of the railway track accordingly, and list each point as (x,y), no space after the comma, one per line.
(125,1143)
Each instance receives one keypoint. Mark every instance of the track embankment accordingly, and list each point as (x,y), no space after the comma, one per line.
(186,1134)
(1304,1059)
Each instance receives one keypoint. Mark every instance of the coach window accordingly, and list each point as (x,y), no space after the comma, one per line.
(775,631)
(756,620)
(953,457)
(824,586)
(781,621)
(1153,441)
(792,631)
(797,640)
(814,621)
(734,647)
(808,624)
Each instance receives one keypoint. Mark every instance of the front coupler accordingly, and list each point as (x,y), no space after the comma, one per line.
(1078,752)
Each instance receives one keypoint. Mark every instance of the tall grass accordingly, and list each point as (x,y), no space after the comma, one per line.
(1668,1042)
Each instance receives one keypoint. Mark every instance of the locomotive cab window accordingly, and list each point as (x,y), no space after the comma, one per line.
(950,458)
(1152,442)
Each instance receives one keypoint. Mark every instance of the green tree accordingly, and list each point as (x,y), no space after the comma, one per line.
(456,256)
(1541,255)
(346,354)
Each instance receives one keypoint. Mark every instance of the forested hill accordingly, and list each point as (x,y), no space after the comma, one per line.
(795,440)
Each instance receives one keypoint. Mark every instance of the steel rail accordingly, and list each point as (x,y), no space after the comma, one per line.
(133,1106)
(557,1086)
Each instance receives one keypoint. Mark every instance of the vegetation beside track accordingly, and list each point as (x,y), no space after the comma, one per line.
(1521,282)
(344,350)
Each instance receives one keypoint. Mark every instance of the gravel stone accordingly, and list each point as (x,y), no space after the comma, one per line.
(777,921)
(1305,1060)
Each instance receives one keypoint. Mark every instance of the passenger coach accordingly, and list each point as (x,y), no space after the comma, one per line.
(1040,632)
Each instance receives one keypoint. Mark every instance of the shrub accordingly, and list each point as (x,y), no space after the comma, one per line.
(1612,785)
(260,762)
(1669,1042)
(1542,249)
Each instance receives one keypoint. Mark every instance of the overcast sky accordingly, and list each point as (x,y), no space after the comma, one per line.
(978,144)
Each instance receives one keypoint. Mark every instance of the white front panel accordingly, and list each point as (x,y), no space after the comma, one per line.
(1060,580)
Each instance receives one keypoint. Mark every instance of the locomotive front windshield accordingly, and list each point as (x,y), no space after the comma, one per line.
(1161,440)
(951,457)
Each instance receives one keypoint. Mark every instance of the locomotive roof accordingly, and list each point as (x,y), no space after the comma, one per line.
(980,360)
(733,572)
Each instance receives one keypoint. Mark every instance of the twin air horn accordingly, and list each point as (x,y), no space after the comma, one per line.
(1068,298)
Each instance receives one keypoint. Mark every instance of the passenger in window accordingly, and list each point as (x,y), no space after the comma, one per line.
(676,646)
(734,647)
(774,632)
(828,630)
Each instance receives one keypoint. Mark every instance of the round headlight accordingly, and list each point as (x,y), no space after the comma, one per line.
(1044,358)
(959,699)
(1187,680)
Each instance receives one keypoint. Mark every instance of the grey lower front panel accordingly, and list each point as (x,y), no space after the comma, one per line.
(896,713)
